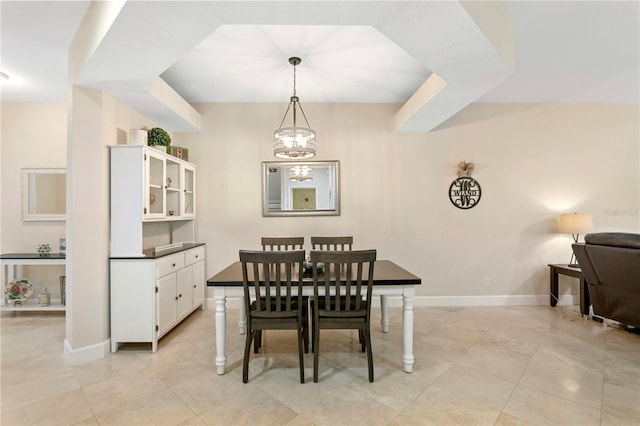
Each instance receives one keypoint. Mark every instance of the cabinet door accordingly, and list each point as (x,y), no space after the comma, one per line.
(154,201)
(184,298)
(189,191)
(167,303)
(173,188)
(198,283)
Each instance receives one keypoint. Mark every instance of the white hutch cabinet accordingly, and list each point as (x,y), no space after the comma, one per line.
(152,288)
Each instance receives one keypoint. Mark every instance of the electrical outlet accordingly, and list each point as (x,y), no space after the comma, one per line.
(487,281)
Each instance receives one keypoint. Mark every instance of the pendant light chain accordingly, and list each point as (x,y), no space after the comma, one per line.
(297,101)
(294,79)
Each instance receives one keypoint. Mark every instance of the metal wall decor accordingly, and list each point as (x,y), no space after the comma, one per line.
(465,191)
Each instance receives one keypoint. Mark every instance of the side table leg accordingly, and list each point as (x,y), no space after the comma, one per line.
(553,284)
(585,300)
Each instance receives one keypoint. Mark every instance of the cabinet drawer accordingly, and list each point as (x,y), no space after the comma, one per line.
(169,264)
(194,255)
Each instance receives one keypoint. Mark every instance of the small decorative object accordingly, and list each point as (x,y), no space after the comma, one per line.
(168,182)
(63,289)
(44,299)
(18,291)
(171,212)
(138,137)
(465,169)
(179,152)
(63,246)
(152,199)
(44,249)
(157,137)
(465,192)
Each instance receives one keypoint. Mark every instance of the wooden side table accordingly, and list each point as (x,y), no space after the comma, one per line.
(565,269)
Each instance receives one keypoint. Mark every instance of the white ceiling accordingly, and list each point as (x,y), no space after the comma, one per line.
(360,51)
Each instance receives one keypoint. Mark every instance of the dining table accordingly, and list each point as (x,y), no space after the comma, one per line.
(389,279)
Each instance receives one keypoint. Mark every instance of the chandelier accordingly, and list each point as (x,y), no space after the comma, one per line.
(294,142)
(300,173)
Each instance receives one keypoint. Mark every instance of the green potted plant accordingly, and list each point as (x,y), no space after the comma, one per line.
(158,137)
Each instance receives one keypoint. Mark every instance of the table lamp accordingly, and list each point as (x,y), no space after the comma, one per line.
(575,224)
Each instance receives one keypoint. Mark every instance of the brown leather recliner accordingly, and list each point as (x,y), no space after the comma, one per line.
(610,262)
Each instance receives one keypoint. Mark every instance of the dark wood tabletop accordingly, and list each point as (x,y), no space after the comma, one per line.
(385,273)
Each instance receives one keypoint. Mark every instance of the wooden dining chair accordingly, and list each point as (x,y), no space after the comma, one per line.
(346,243)
(342,292)
(336,244)
(272,282)
(284,244)
(332,243)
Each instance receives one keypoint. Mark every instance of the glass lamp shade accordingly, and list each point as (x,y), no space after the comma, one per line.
(574,223)
(294,142)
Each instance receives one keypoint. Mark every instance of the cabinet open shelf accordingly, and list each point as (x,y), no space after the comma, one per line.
(33,306)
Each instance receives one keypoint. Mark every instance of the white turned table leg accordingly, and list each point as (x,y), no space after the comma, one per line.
(221,327)
(242,321)
(384,305)
(407,329)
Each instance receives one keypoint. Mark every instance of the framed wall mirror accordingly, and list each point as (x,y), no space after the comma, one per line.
(309,188)
(44,194)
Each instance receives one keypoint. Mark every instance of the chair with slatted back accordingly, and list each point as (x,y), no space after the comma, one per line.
(331,243)
(285,244)
(342,296)
(282,243)
(336,244)
(272,282)
(346,243)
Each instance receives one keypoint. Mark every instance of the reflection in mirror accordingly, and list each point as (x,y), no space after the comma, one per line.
(44,194)
(309,188)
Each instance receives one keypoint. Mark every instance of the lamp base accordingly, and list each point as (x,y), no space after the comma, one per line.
(573,265)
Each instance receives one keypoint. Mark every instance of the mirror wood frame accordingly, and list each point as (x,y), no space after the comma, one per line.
(30,196)
(335,188)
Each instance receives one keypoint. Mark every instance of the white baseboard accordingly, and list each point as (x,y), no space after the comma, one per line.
(425,301)
(86,354)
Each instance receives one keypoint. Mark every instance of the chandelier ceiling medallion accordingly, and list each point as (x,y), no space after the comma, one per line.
(294,142)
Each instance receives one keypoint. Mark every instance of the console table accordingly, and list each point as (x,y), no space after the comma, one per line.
(10,261)
(565,269)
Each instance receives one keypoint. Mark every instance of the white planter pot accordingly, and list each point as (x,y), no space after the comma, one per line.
(137,137)
(160,148)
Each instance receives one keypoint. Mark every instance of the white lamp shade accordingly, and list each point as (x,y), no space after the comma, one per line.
(576,223)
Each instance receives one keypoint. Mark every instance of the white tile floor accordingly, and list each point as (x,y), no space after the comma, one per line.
(474,366)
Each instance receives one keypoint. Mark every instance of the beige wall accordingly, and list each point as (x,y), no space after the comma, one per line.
(532,161)
(33,135)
